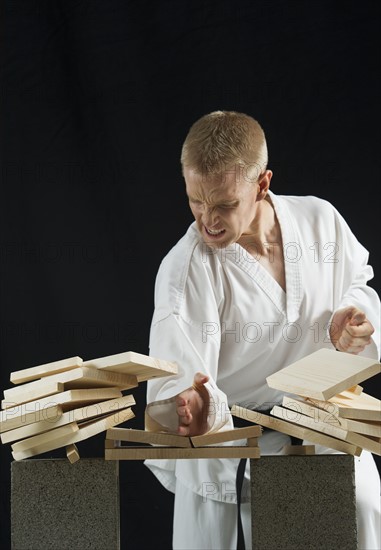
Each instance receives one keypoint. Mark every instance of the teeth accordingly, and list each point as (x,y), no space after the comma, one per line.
(214,231)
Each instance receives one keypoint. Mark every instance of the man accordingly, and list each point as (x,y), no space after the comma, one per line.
(256,283)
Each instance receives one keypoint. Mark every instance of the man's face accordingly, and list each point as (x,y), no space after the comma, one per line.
(224,207)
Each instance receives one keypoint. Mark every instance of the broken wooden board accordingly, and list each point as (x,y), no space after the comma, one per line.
(72,453)
(361,407)
(323,374)
(323,415)
(142,366)
(225,436)
(69,399)
(76,415)
(151,438)
(294,430)
(308,422)
(80,378)
(40,371)
(298,450)
(20,416)
(144,453)
(303,406)
(326,428)
(86,430)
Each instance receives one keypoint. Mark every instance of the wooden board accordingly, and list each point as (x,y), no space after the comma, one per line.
(20,416)
(322,415)
(48,437)
(151,438)
(144,453)
(69,399)
(78,415)
(298,450)
(362,407)
(33,373)
(30,394)
(326,428)
(323,374)
(295,430)
(80,378)
(308,422)
(72,453)
(142,366)
(228,435)
(306,407)
(84,432)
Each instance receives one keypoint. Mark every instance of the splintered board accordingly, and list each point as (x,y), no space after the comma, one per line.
(363,407)
(68,399)
(143,367)
(72,453)
(326,415)
(151,438)
(75,415)
(40,371)
(84,431)
(323,374)
(340,433)
(294,430)
(80,378)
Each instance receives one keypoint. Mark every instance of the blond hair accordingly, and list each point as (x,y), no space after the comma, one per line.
(221,140)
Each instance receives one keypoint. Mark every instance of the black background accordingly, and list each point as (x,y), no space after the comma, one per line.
(97,98)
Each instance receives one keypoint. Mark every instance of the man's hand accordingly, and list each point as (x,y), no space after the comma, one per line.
(350,330)
(192,407)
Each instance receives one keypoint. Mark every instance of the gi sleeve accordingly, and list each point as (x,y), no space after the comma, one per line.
(180,332)
(351,277)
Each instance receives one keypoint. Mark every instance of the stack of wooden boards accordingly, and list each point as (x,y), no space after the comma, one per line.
(172,446)
(61,403)
(328,407)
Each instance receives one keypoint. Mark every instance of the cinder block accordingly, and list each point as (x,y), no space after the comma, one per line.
(56,505)
(301,502)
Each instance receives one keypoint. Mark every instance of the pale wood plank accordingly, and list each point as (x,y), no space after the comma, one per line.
(19,416)
(333,418)
(338,432)
(33,373)
(152,438)
(69,399)
(49,438)
(142,366)
(72,453)
(84,432)
(31,394)
(80,378)
(144,453)
(323,374)
(81,414)
(228,435)
(294,430)
(308,422)
(305,407)
(362,407)
(298,450)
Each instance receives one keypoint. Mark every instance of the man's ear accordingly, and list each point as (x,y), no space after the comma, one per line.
(264,184)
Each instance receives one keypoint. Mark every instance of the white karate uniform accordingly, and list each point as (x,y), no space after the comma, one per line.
(220,312)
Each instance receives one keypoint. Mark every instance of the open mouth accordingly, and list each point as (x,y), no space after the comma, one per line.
(214,233)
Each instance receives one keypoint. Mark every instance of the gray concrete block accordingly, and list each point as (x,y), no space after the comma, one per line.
(303,502)
(56,505)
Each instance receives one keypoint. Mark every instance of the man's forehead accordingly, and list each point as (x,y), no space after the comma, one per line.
(224,186)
